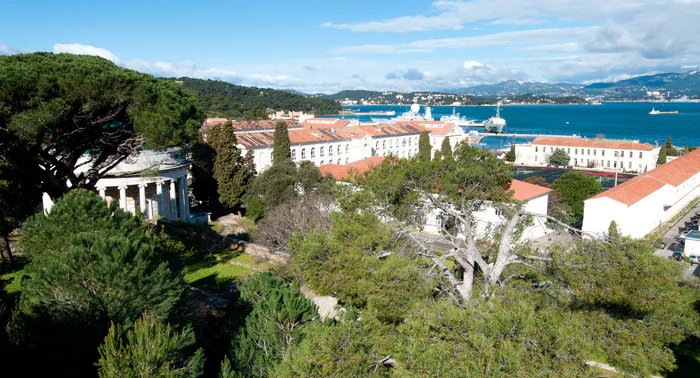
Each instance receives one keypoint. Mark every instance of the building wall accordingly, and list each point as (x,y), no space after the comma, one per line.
(601,158)
(489,218)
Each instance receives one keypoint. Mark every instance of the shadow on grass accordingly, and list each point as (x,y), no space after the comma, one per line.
(687,359)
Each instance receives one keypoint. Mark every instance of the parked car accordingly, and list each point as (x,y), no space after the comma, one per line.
(692,227)
(677,256)
(694,259)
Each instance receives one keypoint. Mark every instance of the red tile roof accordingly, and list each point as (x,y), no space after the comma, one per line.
(523,191)
(300,136)
(673,173)
(325,123)
(265,124)
(593,143)
(344,171)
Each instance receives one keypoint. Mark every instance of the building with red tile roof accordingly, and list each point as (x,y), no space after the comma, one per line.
(344,172)
(642,204)
(603,154)
(325,123)
(524,191)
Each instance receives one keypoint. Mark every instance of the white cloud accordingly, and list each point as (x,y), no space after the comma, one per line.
(472,64)
(78,49)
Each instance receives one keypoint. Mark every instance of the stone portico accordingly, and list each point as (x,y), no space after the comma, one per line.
(151,184)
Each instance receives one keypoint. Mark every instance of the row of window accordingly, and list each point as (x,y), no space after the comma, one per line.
(391,143)
(585,151)
(321,152)
(347,161)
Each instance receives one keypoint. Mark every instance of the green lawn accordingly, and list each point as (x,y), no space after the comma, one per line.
(217,270)
(15,278)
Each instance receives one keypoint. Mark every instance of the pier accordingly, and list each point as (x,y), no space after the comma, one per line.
(481,136)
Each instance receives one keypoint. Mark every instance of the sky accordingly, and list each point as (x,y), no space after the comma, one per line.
(327,46)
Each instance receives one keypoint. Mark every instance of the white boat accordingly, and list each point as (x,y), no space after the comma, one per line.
(654,111)
(412,115)
(460,121)
(495,124)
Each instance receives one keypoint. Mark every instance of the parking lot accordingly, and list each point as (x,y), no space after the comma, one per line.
(674,245)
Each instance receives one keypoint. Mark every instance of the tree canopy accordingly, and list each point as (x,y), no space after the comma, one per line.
(559,158)
(446,149)
(58,109)
(229,169)
(575,187)
(424,148)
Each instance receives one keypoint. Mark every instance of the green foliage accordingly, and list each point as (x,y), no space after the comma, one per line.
(275,324)
(59,107)
(612,230)
(671,150)
(309,176)
(255,208)
(342,349)
(510,155)
(559,158)
(236,101)
(149,349)
(227,369)
(17,202)
(275,184)
(204,186)
(575,187)
(281,149)
(89,264)
(438,155)
(230,170)
(424,149)
(446,149)
(662,155)
(537,180)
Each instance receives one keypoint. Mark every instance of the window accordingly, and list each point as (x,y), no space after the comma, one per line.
(383,144)
(568,150)
(589,152)
(608,163)
(294,154)
(403,143)
(409,142)
(640,154)
(499,211)
(320,152)
(391,143)
(602,163)
(544,149)
(313,152)
(338,161)
(602,152)
(330,151)
(339,150)
(535,156)
(321,162)
(303,153)
(594,152)
(536,149)
(347,160)
(630,164)
(576,151)
(347,148)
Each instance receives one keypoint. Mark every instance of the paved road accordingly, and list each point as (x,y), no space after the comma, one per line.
(669,238)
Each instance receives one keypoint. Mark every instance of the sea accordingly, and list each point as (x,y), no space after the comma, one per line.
(612,120)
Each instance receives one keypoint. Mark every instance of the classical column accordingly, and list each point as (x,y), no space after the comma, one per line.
(122,197)
(173,201)
(102,190)
(184,199)
(142,200)
(161,199)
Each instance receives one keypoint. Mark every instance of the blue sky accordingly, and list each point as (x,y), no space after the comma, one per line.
(326,46)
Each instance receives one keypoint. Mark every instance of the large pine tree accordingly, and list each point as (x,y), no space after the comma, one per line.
(229,170)
(424,149)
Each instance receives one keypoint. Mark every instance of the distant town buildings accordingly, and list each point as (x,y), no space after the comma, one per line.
(604,154)
(642,204)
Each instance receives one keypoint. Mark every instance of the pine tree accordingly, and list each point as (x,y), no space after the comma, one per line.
(424,148)
(281,150)
(204,186)
(149,349)
(510,155)
(612,230)
(438,155)
(670,149)
(446,149)
(279,315)
(229,172)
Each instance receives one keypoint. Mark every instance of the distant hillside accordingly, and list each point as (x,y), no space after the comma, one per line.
(294,91)
(235,101)
(353,95)
(678,84)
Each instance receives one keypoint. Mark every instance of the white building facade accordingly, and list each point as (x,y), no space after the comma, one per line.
(644,203)
(535,200)
(602,154)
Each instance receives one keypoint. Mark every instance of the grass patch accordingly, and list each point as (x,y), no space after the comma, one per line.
(215,276)
(15,279)
(247,223)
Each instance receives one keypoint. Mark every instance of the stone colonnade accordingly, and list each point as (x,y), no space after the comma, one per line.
(167,197)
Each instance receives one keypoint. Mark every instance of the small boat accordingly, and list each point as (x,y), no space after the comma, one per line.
(460,121)
(654,111)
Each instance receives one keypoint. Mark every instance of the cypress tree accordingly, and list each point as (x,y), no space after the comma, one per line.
(438,156)
(424,149)
(510,155)
(229,172)
(281,149)
(662,155)
(612,230)
(446,149)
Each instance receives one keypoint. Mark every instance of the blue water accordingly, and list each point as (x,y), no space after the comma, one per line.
(612,120)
